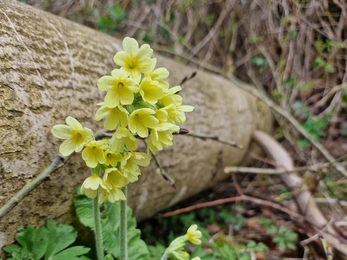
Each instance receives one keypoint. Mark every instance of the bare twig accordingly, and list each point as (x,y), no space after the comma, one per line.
(215,138)
(11,203)
(294,215)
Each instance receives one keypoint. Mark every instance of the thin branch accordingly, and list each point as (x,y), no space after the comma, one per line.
(215,138)
(261,202)
(162,171)
(314,167)
(11,203)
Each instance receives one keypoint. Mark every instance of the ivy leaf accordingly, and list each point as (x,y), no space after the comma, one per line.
(137,249)
(46,243)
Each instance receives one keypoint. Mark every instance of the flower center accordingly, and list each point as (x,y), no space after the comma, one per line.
(132,65)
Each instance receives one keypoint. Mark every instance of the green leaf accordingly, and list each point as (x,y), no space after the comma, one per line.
(59,238)
(117,13)
(259,61)
(33,241)
(46,243)
(108,257)
(156,251)
(329,68)
(71,253)
(137,249)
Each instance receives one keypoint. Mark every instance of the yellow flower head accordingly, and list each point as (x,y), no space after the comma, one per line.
(120,87)
(142,119)
(94,153)
(113,116)
(113,178)
(111,195)
(76,136)
(170,97)
(123,138)
(131,162)
(180,255)
(159,75)
(161,136)
(112,158)
(175,249)
(176,114)
(91,185)
(150,91)
(133,59)
(194,235)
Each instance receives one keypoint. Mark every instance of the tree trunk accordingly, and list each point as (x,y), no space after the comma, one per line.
(49,69)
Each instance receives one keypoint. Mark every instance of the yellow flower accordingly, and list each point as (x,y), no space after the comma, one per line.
(170,97)
(194,235)
(94,153)
(133,59)
(175,249)
(76,136)
(176,113)
(120,87)
(113,116)
(113,178)
(111,195)
(161,136)
(123,138)
(91,185)
(159,75)
(180,255)
(131,162)
(142,119)
(150,91)
(161,114)
(112,158)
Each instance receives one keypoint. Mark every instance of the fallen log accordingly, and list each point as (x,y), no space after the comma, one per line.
(49,69)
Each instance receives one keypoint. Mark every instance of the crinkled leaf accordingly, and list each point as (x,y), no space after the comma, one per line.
(137,248)
(45,243)
(59,237)
(33,242)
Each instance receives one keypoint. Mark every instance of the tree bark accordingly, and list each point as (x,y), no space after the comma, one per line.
(49,69)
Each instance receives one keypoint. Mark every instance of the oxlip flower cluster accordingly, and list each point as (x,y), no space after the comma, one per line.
(138,103)
(177,246)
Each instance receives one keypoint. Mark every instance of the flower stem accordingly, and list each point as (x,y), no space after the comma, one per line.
(123,227)
(98,231)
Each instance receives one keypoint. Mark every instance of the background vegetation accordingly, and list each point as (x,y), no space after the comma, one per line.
(294,51)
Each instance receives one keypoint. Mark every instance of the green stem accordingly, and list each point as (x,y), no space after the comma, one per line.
(123,227)
(98,231)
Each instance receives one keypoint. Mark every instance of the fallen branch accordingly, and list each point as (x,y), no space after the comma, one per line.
(304,199)
(27,188)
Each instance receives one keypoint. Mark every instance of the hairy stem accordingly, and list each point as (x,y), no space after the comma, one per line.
(98,231)
(123,227)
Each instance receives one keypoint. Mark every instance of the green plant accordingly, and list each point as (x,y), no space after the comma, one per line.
(113,21)
(315,127)
(110,224)
(47,242)
(282,236)
(285,238)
